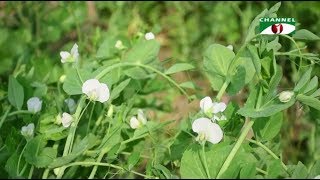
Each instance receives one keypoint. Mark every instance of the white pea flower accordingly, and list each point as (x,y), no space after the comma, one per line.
(119,45)
(230,47)
(207,131)
(73,56)
(71,105)
(219,107)
(66,119)
(317,177)
(34,104)
(285,96)
(149,36)
(95,90)
(28,131)
(62,78)
(137,123)
(209,107)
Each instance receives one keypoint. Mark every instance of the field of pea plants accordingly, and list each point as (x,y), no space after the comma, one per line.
(164,90)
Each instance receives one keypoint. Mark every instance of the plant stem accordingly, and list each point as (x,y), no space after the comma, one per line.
(268,151)
(204,159)
(90,117)
(262,171)
(95,168)
(20,112)
(45,174)
(109,68)
(5,116)
(31,172)
(222,90)
(235,149)
(71,134)
(106,164)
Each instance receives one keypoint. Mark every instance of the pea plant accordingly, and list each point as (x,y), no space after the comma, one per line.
(92,117)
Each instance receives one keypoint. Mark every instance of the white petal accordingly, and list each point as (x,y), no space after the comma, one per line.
(230,47)
(214,133)
(64,55)
(219,107)
(149,36)
(141,117)
(31,126)
(66,119)
(103,93)
(90,85)
(201,124)
(34,104)
(134,123)
(206,103)
(317,177)
(74,52)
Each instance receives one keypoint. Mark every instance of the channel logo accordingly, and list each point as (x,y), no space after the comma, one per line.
(277,26)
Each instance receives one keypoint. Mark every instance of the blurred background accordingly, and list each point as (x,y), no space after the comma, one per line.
(33,34)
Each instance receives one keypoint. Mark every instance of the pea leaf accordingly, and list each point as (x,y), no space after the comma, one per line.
(298,171)
(143,52)
(268,127)
(15,93)
(309,101)
(133,159)
(178,68)
(37,154)
(304,34)
(312,85)
(267,109)
(217,59)
(73,84)
(303,80)
(119,88)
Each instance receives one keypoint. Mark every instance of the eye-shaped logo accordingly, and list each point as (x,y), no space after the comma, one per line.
(277,26)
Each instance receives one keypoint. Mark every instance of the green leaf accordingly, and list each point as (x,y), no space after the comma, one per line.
(178,68)
(309,101)
(133,159)
(314,170)
(303,80)
(255,58)
(267,109)
(192,167)
(86,143)
(37,154)
(143,52)
(274,169)
(188,84)
(312,85)
(15,93)
(217,59)
(180,144)
(237,81)
(137,73)
(119,88)
(107,48)
(304,34)
(316,93)
(274,45)
(12,163)
(298,171)
(268,127)
(73,84)
(164,171)
(248,171)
